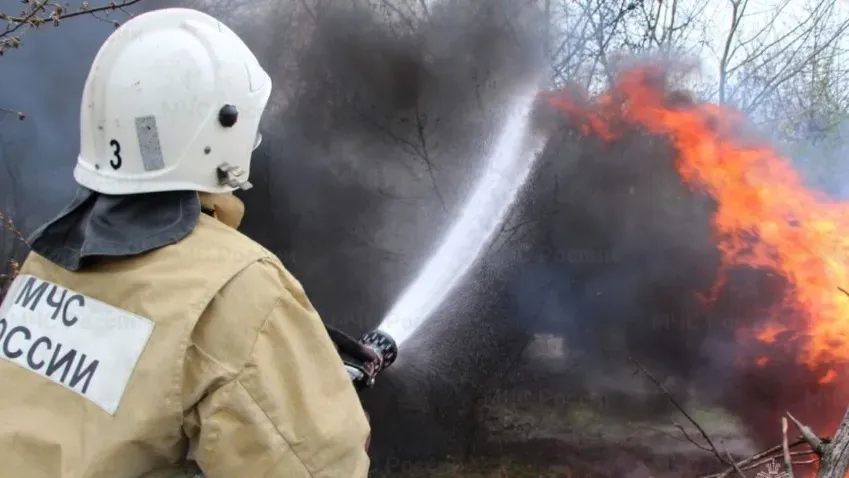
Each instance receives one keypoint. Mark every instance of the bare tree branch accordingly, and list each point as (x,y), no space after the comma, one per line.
(42,12)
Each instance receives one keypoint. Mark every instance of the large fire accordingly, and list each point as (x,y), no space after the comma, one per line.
(765,216)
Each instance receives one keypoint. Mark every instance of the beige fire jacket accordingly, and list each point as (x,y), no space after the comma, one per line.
(209,344)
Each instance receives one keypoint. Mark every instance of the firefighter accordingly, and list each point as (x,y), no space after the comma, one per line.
(143,327)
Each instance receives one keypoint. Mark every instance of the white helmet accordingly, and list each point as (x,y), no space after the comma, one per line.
(172,102)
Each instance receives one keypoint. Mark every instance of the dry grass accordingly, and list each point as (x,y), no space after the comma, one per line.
(583,441)
(482,468)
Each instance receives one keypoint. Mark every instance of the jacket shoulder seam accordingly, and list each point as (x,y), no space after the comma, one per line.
(197,311)
(237,381)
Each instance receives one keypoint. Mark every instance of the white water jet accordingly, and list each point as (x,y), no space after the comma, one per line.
(505,172)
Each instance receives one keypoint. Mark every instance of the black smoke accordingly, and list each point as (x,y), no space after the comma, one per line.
(379,138)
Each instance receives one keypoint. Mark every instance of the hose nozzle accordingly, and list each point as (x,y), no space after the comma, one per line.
(364,359)
(383,345)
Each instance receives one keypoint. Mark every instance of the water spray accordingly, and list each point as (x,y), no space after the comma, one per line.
(505,173)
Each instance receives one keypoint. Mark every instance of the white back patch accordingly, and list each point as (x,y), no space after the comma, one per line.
(83,344)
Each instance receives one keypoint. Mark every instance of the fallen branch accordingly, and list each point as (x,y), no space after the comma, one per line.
(760,459)
(788,462)
(808,435)
(833,454)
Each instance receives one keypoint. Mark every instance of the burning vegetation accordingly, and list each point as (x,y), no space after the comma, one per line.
(791,353)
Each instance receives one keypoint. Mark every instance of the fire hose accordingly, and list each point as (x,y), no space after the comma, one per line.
(366,358)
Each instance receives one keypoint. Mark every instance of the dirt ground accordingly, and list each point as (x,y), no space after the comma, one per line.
(583,443)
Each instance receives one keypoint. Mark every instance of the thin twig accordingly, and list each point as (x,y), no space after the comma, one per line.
(21,115)
(735,465)
(691,439)
(681,409)
(38,15)
(59,13)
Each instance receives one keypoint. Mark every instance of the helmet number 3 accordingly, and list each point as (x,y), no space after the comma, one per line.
(116,151)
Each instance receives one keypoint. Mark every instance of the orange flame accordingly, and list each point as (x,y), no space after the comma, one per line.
(765,218)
